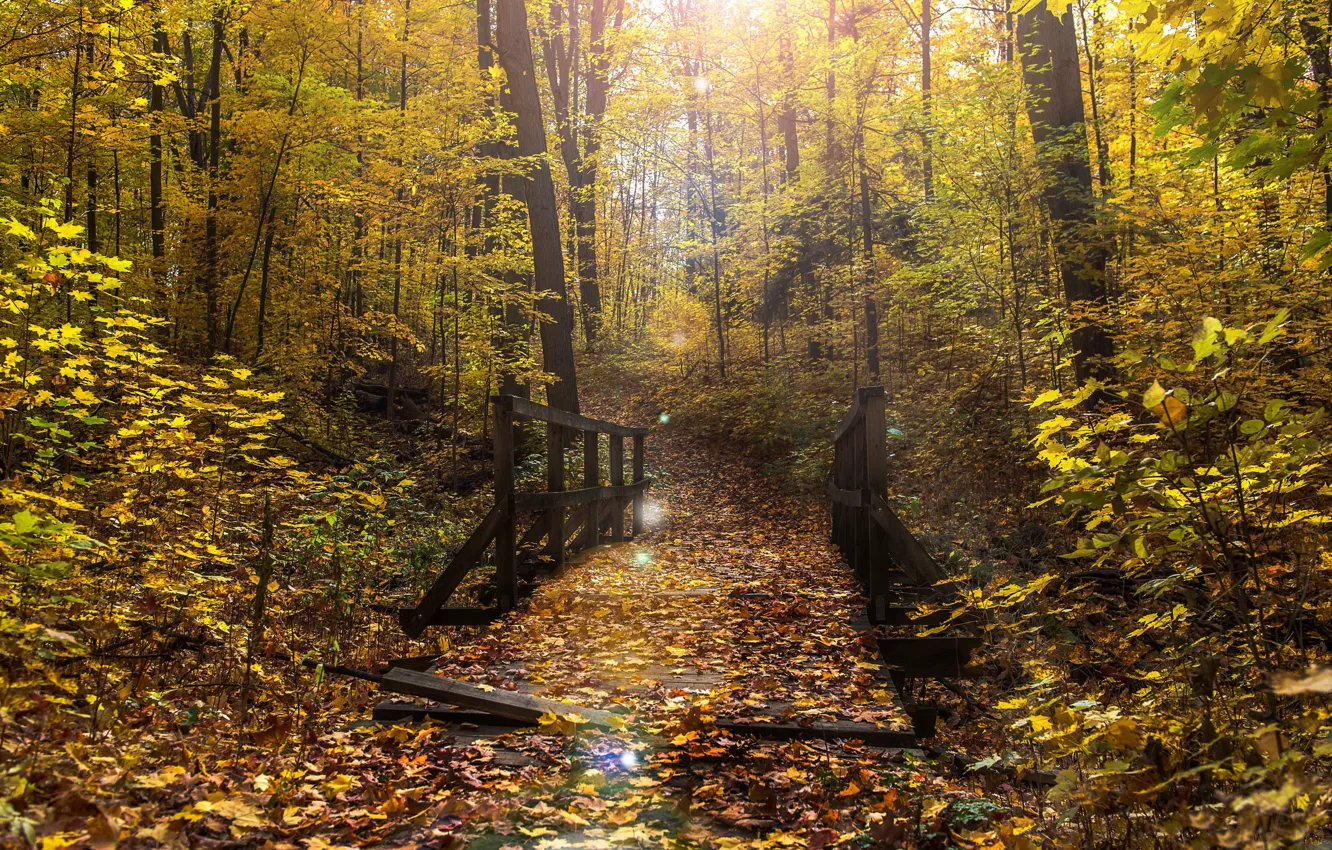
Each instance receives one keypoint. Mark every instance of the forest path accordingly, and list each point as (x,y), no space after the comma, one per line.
(732,605)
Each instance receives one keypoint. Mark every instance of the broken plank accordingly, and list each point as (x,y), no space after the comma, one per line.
(395,711)
(872,735)
(511,704)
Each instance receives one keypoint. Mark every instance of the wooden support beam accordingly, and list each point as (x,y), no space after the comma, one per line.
(617,480)
(930,657)
(878,561)
(511,704)
(555,484)
(640,448)
(506,560)
(867,732)
(592,481)
(847,498)
(395,711)
(418,618)
(905,548)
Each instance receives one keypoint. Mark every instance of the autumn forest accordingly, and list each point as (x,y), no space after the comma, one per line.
(665,423)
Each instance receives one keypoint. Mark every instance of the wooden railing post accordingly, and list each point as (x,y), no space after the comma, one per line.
(617,479)
(506,560)
(592,478)
(860,531)
(838,448)
(876,481)
(640,446)
(555,484)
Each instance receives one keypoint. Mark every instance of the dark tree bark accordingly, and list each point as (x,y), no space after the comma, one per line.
(562,70)
(515,53)
(155,201)
(926,101)
(212,270)
(397,226)
(1316,45)
(262,320)
(1054,104)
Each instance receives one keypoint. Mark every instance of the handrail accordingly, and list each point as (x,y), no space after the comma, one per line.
(875,542)
(528,409)
(594,507)
(857,411)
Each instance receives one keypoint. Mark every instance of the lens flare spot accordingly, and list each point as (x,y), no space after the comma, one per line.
(628,759)
(663,419)
(643,559)
(653,515)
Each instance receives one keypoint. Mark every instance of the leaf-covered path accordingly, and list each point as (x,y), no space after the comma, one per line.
(732,606)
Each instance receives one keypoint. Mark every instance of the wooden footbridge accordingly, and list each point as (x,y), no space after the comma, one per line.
(905,588)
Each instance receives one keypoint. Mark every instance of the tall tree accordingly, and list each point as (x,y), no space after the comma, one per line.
(514,43)
(1049,49)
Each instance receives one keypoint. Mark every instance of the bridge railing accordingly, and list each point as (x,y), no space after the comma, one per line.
(883,552)
(564,520)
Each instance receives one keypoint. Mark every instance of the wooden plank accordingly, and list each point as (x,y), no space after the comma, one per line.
(905,548)
(849,498)
(857,409)
(466,558)
(506,554)
(591,481)
(528,502)
(393,711)
(640,459)
(867,732)
(937,657)
(617,480)
(511,704)
(555,484)
(878,562)
(465,616)
(533,535)
(531,410)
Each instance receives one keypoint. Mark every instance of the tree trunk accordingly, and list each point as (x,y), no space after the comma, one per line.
(926,102)
(1054,105)
(155,201)
(515,52)
(212,270)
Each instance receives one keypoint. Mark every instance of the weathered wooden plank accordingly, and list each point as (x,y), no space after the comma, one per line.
(903,545)
(392,711)
(526,502)
(506,550)
(466,558)
(465,616)
(531,410)
(555,484)
(617,480)
(533,535)
(866,732)
(934,657)
(849,498)
(591,481)
(857,410)
(640,446)
(517,706)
